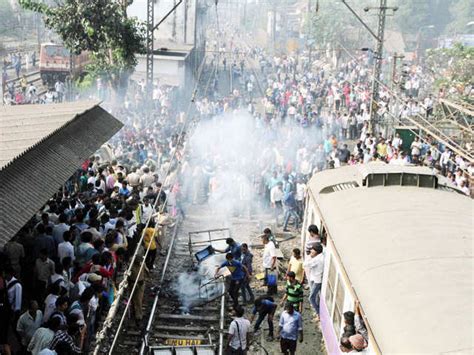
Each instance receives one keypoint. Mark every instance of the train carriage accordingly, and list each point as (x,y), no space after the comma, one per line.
(57,63)
(400,242)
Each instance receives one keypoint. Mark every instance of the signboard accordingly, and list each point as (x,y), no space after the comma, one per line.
(183,342)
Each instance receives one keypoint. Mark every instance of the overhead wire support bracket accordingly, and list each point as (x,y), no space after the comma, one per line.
(362,21)
(167,15)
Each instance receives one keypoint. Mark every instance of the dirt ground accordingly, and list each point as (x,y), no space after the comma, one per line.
(249,232)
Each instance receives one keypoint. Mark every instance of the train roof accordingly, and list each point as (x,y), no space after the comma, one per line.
(407,252)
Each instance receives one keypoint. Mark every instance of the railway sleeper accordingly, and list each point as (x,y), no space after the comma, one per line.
(188,317)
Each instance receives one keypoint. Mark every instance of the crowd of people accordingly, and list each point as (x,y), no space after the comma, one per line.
(18,61)
(61,271)
(299,272)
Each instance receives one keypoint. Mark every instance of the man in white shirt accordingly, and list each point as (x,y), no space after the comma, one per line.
(15,290)
(269,260)
(397,141)
(314,265)
(300,196)
(66,248)
(29,322)
(276,197)
(147,178)
(59,229)
(239,331)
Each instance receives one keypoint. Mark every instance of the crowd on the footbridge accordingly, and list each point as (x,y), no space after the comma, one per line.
(60,273)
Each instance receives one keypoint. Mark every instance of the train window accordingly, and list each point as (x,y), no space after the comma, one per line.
(427,181)
(336,321)
(375,180)
(338,307)
(330,285)
(409,179)
(393,180)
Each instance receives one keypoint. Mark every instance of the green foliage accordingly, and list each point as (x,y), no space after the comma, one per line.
(100,27)
(452,67)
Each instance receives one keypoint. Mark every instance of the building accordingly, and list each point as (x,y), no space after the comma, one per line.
(179,42)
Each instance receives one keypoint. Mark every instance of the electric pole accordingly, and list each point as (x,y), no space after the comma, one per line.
(378,54)
(377,66)
(150,14)
(394,68)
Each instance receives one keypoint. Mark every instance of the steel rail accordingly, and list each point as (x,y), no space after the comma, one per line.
(157,296)
(222,321)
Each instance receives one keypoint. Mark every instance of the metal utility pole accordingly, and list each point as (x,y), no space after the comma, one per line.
(394,68)
(377,66)
(150,28)
(379,37)
(274,26)
(150,14)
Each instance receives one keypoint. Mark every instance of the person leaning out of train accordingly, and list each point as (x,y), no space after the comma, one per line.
(314,264)
(352,344)
(313,238)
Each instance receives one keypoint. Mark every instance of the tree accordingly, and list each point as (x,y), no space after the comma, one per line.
(100,27)
(452,67)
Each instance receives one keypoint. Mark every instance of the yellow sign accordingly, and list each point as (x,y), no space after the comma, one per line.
(183,342)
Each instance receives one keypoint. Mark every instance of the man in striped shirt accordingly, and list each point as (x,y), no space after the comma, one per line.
(294,292)
(63,336)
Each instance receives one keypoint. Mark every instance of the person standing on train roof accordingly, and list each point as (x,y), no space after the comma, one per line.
(314,263)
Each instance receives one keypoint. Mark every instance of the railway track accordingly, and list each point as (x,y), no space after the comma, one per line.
(184,306)
(184,315)
(33,77)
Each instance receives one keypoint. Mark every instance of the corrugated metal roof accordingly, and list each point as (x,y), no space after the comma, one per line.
(23,126)
(408,254)
(37,166)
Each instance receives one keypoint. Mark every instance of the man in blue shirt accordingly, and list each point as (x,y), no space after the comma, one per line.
(232,247)
(246,260)
(265,307)
(124,191)
(238,274)
(291,324)
(290,210)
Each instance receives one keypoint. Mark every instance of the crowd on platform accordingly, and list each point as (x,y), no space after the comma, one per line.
(61,271)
